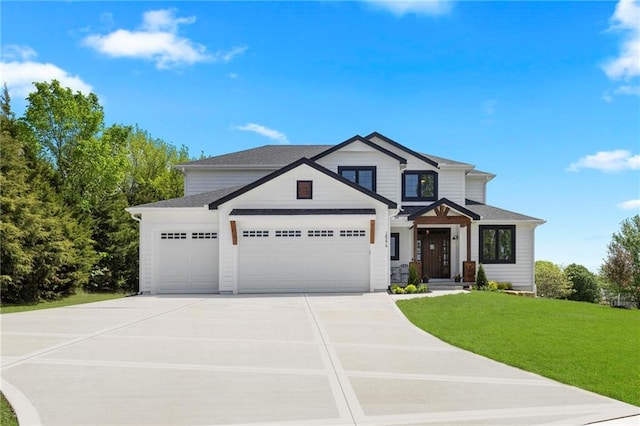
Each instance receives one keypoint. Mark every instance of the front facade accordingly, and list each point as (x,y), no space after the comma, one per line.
(322,218)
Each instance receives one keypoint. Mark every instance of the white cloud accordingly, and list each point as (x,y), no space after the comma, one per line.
(608,161)
(265,131)
(626,66)
(416,7)
(630,205)
(15,52)
(157,40)
(19,71)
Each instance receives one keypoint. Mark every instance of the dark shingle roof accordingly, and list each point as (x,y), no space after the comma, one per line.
(278,155)
(197,200)
(488,212)
(485,211)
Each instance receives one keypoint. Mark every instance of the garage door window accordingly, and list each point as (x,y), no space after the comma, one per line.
(353,233)
(203,235)
(288,233)
(173,236)
(320,233)
(255,234)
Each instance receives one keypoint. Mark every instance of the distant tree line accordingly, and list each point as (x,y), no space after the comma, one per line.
(65,180)
(618,278)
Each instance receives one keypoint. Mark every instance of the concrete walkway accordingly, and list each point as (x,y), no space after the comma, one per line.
(311,360)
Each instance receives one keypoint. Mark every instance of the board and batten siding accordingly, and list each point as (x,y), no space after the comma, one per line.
(200,181)
(519,274)
(360,155)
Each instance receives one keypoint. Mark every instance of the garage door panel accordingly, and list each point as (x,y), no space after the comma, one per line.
(303,260)
(187,262)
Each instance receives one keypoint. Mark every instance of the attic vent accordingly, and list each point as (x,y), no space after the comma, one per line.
(173,236)
(353,233)
(320,233)
(204,235)
(257,234)
(288,233)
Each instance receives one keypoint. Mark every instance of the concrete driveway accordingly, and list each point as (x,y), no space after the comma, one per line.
(311,360)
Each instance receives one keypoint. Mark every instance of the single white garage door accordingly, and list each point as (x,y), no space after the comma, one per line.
(303,260)
(187,262)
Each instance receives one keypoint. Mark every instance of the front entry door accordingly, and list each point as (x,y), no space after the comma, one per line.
(436,253)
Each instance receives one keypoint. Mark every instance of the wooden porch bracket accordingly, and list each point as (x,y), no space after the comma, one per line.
(234,232)
(372,231)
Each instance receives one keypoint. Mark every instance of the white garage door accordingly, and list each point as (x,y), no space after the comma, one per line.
(187,262)
(303,260)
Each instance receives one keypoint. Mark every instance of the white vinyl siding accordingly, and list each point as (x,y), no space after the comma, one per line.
(520,273)
(360,155)
(199,181)
(451,185)
(475,189)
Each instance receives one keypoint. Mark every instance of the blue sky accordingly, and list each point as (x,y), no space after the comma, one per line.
(544,94)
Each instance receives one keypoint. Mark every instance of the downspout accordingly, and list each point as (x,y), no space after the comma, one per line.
(138,218)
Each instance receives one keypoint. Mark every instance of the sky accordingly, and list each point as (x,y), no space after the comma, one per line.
(546,95)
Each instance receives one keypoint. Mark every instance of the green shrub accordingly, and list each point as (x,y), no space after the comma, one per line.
(481,279)
(551,281)
(414,278)
(396,289)
(410,289)
(492,286)
(584,284)
(422,288)
(505,286)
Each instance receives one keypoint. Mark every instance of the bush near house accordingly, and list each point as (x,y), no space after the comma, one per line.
(551,281)
(584,284)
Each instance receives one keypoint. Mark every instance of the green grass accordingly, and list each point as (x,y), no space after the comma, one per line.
(76,299)
(7,416)
(585,345)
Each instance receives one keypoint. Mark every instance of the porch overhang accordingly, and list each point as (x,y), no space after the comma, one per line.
(438,214)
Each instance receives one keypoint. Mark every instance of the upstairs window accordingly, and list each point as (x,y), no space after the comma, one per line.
(365,176)
(420,186)
(497,244)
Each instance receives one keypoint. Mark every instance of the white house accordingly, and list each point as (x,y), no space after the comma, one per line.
(323,218)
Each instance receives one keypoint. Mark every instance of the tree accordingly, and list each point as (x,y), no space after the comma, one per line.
(481,279)
(61,120)
(584,284)
(551,281)
(622,265)
(44,251)
(150,175)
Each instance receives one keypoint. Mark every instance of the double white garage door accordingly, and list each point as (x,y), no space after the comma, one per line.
(295,259)
(270,260)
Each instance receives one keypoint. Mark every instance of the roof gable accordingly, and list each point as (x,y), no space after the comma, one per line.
(402,147)
(448,203)
(303,161)
(358,138)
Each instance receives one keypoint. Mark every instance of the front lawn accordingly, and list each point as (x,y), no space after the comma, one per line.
(589,346)
(76,299)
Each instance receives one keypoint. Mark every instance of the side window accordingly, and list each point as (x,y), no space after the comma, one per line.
(497,244)
(394,246)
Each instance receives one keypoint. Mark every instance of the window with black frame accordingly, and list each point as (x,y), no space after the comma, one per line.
(497,244)
(394,246)
(365,176)
(419,186)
